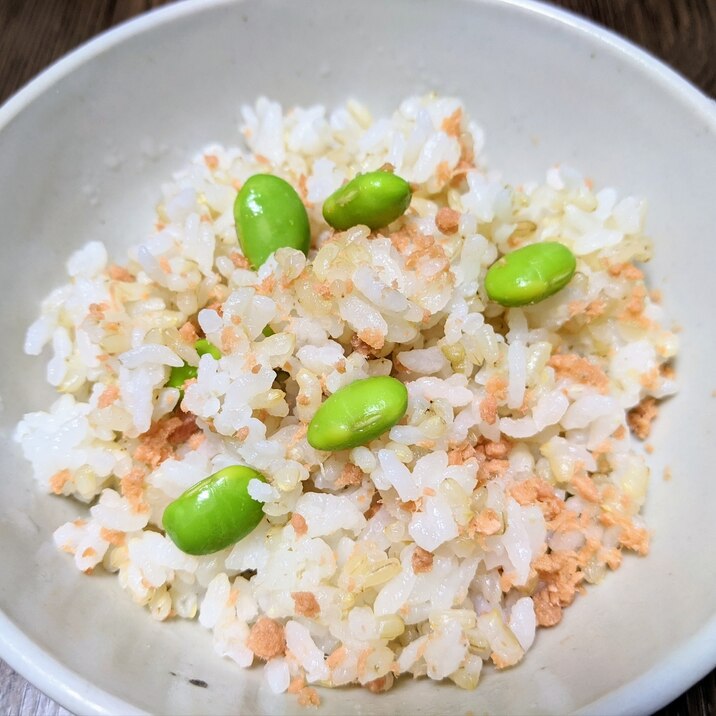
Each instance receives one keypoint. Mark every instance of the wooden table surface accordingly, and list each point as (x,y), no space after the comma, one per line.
(34,33)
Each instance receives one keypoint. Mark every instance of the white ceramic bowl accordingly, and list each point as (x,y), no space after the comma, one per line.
(547,87)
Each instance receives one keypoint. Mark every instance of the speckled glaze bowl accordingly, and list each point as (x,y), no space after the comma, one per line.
(547,87)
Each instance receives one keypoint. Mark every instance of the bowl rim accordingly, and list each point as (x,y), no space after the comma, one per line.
(686,664)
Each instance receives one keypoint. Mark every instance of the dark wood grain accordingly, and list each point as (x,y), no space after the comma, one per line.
(35,33)
(681,32)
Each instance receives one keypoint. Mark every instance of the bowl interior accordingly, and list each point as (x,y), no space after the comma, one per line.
(82,155)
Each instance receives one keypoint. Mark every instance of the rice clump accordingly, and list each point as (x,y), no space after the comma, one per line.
(440,546)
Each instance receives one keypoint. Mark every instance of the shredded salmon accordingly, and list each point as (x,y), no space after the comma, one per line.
(451,125)
(308,696)
(323,289)
(447,220)
(267,638)
(196,440)
(119,273)
(159,442)
(596,308)
(497,449)
(401,241)
(497,387)
(114,537)
(560,571)
(640,418)
(411,505)
(624,270)
(188,333)
(362,659)
(360,346)
(499,662)
(350,475)
(422,561)
(239,261)
(303,190)
(490,469)
(636,303)
(432,252)
(132,488)
(299,525)
(211,161)
(267,286)
(96,310)
(297,683)
(380,685)
(443,172)
(506,581)
(488,409)
(372,337)
(579,369)
(487,522)
(465,165)
(535,491)
(587,311)
(108,396)
(547,612)
(461,454)
(575,308)
(409,241)
(336,657)
(586,489)
(216,306)
(59,480)
(563,520)
(632,537)
(306,604)
(229,340)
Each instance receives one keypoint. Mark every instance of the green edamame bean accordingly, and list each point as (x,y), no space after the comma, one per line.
(214,513)
(270,215)
(530,274)
(180,375)
(202,347)
(375,199)
(358,413)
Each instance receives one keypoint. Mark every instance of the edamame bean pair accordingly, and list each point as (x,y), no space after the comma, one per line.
(218,511)
(270,215)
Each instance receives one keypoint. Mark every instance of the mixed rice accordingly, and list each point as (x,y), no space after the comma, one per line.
(509,484)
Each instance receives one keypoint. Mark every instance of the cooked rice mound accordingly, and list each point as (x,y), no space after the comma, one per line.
(511,482)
